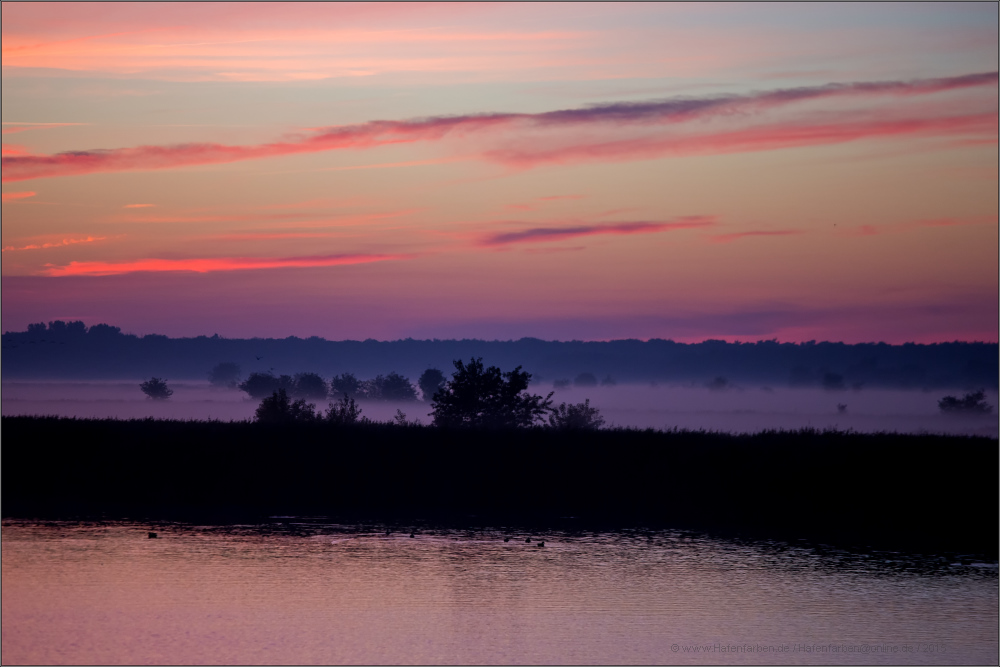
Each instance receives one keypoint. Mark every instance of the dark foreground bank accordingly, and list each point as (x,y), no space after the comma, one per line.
(916,492)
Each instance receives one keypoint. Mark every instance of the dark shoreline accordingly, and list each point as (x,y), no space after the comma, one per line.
(918,493)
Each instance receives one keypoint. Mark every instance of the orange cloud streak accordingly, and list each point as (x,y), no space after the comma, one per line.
(210,264)
(64,242)
(14,196)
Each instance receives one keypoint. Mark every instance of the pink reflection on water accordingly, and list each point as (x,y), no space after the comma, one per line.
(307,594)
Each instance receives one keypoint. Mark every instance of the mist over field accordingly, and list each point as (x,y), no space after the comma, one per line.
(735,409)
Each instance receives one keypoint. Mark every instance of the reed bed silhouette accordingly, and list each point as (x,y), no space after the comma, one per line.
(884,490)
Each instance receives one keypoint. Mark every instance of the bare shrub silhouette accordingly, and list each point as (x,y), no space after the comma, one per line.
(345,412)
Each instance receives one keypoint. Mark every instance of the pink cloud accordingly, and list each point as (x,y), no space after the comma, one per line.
(614,116)
(543,234)
(138,205)
(211,264)
(64,242)
(726,238)
(753,139)
(276,235)
(13,150)
(14,196)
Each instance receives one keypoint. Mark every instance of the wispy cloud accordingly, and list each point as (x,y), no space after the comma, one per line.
(138,205)
(612,116)
(543,234)
(726,238)
(211,264)
(14,196)
(57,244)
(770,137)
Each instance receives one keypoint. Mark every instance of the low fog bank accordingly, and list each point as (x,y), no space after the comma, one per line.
(733,409)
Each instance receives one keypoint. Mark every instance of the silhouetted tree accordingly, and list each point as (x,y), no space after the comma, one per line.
(585,380)
(578,416)
(430,382)
(62,329)
(391,387)
(260,385)
(395,387)
(100,330)
(608,381)
(486,398)
(345,411)
(286,382)
(310,385)
(279,409)
(972,403)
(156,389)
(225,374)
(400,419)
(345,383)
(560,384)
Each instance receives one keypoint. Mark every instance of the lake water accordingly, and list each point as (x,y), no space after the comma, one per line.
(739,409)
(309,592)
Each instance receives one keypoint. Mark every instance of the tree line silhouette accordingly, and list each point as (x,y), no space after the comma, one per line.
(72,350)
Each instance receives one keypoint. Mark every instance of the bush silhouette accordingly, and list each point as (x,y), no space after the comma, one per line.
(391,387)
(224,374)
(972,403)
(585,380)
(279,409)
(309,385)
(344,412)
(260,385)
(481,397)
(156,389)
(430,382)
(578,416)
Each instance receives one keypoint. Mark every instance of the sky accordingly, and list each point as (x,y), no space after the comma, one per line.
(554,170)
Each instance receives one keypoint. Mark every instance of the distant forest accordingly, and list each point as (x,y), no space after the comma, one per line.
(70,350)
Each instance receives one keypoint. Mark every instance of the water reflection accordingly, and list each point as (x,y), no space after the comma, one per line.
(308,591)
